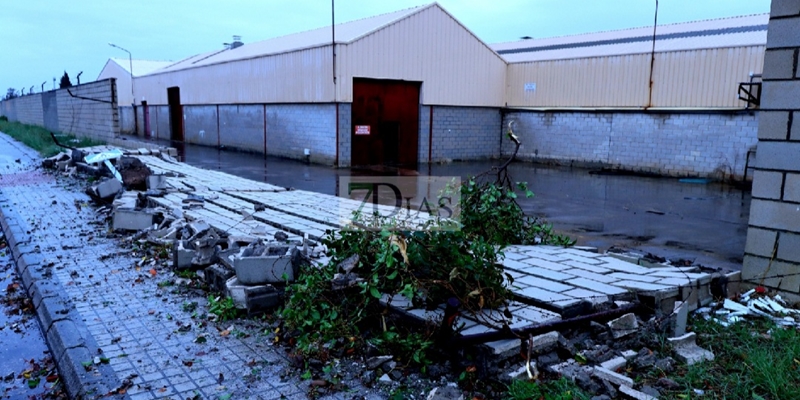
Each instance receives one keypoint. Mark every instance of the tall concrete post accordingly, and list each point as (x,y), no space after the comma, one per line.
(772,252)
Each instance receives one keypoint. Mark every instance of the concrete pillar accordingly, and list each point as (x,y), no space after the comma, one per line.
(772,253)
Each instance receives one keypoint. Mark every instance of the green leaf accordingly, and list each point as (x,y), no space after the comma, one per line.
(33,383)
(392,275)
(374,292)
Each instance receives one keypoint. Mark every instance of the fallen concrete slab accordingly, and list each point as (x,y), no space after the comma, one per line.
(688,351)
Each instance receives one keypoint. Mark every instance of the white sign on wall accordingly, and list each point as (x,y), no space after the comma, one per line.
(362,129)
(530,87)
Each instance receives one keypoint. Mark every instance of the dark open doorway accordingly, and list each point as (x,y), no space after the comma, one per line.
(385,118)
(175,113)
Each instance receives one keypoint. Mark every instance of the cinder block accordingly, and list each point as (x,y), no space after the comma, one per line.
(784,8)
(262,298)
(108,188)
(795,132)
(789,247)
(781,94)
(156,182)
(216,276)
(767,184)
(779,64)
(779,155)
(772,214)
(791,189)
(773,124)
(760,242)
(132,220)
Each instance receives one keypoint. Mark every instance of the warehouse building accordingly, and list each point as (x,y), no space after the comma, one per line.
(122,70)
(416,86)
(400,88)
(666,101)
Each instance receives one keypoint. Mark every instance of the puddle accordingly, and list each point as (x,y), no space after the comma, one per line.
(702,222)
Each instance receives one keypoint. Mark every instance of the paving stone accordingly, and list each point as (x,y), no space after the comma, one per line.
(629,354)
(634,394)
(531,315)
(537,262)
(611,376)
(583,294)
(584,259)
(614,363)
(598,269)
(546,284)
(597,286)
(636,285)
(622,266)
(592,276)
(633,277)
(545,296)
(504,349)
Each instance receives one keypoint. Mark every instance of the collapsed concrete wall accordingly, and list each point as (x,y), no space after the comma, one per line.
(90,110)
(772,252)
(676,144)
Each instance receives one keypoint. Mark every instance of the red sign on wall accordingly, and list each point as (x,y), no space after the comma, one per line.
(362,129)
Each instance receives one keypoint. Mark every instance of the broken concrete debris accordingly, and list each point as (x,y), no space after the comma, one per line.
(445,393)
(623,326)
(132,220)
(688,351)
(107,189)
(262,262)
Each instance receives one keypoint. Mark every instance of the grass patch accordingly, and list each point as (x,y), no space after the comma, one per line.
(753,360)
(39,139)
(561,389)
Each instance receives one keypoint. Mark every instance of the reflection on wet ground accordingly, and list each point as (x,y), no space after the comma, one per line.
(26,370)
(702,222)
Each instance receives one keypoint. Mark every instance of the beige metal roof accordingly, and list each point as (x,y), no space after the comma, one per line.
(345,33)
(750,30)
(140,67)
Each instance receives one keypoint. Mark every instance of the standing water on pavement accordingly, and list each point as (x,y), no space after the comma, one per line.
(706,223)
(26,368)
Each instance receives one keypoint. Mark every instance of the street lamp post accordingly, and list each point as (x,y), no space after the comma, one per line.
(43,85)
(130,61)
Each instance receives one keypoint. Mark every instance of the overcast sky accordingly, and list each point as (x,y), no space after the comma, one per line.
(41,39)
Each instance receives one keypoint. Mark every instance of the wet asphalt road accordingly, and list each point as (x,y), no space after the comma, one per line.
(706,223)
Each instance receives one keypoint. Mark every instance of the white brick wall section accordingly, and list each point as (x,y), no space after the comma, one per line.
(672,144)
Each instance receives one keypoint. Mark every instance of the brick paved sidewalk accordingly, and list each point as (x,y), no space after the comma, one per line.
(93,305)
(91,301)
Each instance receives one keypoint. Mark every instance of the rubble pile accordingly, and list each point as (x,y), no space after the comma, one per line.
(251,270)
(753,303)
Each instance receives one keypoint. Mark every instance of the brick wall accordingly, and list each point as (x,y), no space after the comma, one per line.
(676,144)
(345,125)
(772,252)
(461,133)
(241,127)
(291,128)
(200,126)
(84,117)
(58,111)
(29,109)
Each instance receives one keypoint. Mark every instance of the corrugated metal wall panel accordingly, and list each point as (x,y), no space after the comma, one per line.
(619,81)
(706,78)
(455,67)
(298,77)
